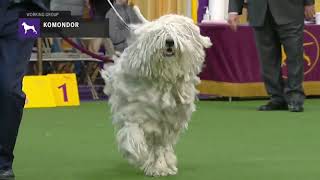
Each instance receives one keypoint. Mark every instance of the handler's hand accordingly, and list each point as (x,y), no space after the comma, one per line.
(309,12)
(233,21)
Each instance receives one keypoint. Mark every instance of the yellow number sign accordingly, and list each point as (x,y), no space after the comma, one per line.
(51,90)
(38,92)
(65,89)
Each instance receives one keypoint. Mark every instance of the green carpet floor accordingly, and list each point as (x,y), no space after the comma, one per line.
(225,141)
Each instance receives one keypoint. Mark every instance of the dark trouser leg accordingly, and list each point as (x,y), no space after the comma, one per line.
(14,56)
(291,36)
(269,48)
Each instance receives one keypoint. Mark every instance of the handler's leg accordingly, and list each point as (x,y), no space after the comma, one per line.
(14,56)
(291,36)
(269,47)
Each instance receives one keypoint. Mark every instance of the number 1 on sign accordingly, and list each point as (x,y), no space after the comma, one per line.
(64,90)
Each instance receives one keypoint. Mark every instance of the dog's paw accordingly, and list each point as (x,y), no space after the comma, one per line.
(171,160)
(173,170)
(160,168)
(160,172)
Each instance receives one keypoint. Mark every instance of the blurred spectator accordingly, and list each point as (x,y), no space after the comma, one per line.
(75,6)
(47,3)
(119,32)
(100,8)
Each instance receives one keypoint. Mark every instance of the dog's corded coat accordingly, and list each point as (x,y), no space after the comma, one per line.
(152,91)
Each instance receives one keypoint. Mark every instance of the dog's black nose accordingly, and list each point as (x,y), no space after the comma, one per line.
(169,43)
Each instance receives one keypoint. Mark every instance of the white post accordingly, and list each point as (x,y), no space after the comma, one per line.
(189,9)
(218,10)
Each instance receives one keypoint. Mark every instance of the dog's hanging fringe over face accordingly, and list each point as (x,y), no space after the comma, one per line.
(167,49)
(152,91)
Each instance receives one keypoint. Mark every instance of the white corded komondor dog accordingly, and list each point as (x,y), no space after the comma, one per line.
(152,91)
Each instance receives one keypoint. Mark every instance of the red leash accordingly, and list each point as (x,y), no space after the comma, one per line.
(86,51)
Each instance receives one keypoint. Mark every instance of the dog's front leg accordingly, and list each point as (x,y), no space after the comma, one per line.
(157,164)
(132,145)
(171,159)
(161,159)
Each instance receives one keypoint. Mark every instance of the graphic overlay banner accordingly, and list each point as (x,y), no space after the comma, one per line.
(60,23)
(29,27)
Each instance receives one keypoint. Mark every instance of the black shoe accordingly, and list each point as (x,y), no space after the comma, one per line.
(273,107)
(6,174)
(295,107)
